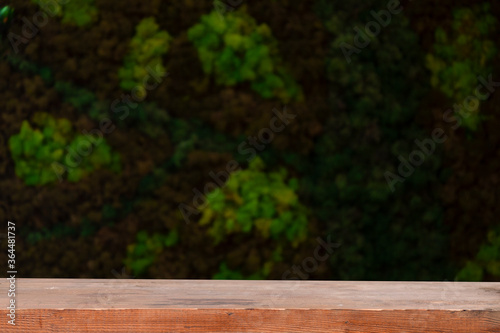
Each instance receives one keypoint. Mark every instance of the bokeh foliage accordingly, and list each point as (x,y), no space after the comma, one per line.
(487,260)
(39,152)
(370,125)
(76,12)
(252,200)
(147,48)
(142,254)
(236,49)
(463,54)
(355,120)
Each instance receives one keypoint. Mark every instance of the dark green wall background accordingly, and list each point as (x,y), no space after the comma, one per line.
(353,121)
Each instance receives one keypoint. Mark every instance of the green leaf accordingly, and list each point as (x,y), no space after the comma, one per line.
(472,272)
(172,238)
(236,50)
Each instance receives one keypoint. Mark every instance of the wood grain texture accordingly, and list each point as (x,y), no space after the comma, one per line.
(82,305)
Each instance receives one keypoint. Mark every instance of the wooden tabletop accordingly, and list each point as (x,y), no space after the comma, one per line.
(129,305)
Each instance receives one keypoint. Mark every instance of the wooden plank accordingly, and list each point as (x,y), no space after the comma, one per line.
(82,305)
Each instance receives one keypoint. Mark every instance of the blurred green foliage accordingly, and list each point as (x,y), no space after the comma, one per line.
(237,50)
(142,254)
(80,12)
(366,115)
(254,200)
(147,48)
(34,151)
(147,117)
(82,99)
(390,236)
(487,260)
(62,230)
(6,16)
(77,12)
(462,54)
(226,273)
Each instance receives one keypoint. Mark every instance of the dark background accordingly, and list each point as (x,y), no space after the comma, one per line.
(353,121)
